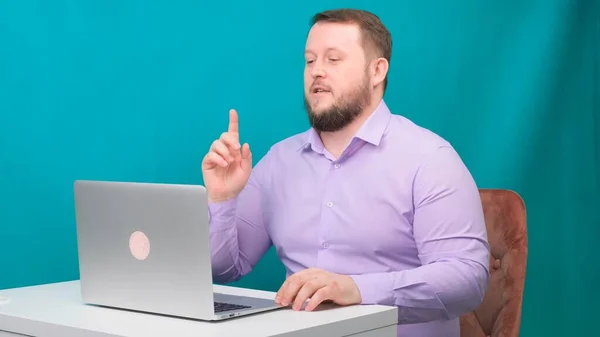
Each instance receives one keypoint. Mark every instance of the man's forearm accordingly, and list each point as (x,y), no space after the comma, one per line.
(238,238)
(440,290)
(227,266)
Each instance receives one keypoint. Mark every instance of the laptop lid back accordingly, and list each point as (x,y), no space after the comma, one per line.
(144,247)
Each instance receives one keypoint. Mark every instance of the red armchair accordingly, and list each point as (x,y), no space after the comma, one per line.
(500,313)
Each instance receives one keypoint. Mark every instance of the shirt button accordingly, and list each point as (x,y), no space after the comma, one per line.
(337,165)
(330,204)
(325,244)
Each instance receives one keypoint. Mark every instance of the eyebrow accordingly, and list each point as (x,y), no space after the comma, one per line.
(306,51)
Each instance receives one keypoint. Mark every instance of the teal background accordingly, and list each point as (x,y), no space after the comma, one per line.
(137,90)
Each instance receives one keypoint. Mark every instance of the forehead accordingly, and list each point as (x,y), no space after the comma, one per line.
(328,35)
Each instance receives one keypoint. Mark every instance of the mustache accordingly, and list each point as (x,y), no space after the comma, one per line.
(319,85)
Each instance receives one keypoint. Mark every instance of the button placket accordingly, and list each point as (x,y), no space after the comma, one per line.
(327,215)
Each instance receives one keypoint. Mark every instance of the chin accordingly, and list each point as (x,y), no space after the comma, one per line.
(319,108)
(320,103)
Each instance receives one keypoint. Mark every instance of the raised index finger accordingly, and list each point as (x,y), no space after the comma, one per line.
(233,122)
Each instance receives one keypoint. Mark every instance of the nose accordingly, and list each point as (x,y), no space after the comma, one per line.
(317,69)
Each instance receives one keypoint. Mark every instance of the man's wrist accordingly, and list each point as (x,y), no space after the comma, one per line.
(222,213)
(355,295)
(219,199)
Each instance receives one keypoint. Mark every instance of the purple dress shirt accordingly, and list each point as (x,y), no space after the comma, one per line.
(398,211)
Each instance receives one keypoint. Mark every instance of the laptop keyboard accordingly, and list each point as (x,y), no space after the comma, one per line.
(220,307)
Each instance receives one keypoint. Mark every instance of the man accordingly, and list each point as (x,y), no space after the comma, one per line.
(363,208)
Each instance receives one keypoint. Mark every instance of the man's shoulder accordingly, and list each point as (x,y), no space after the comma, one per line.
(288,145)
(413,138)
(277,156)
(283,148)
(291,143)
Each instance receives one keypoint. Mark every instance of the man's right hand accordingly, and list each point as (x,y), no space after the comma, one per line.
(227,165)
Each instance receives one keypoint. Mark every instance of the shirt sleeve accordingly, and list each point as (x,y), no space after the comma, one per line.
(450,234)
(238,238)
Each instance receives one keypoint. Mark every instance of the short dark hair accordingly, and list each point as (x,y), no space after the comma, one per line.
(375,36)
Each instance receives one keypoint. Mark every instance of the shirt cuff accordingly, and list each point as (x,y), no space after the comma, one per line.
(221,214)
(376,288)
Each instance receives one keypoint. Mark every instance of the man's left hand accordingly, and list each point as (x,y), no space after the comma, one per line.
(318,285)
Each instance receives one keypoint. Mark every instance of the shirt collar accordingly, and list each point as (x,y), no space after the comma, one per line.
(371,131)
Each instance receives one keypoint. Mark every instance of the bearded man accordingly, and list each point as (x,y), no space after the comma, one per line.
(365,207)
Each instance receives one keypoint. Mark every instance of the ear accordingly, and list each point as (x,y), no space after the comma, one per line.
(379,69)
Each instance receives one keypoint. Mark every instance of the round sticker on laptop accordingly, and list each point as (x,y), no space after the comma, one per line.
(139,245)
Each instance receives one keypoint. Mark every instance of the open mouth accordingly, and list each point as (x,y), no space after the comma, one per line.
(319,91)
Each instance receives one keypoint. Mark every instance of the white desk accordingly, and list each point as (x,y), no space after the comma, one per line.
(56,310)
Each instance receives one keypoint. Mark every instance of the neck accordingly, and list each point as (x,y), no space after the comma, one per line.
(336,142)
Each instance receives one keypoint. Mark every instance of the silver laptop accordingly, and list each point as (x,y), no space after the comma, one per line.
(145,247)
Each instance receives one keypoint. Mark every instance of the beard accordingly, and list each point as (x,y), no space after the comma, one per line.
(342,112)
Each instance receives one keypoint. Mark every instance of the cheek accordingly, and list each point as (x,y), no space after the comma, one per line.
(343,78)
(351,82)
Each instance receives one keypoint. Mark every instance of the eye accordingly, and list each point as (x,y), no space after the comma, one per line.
(334,59)
(309,61)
